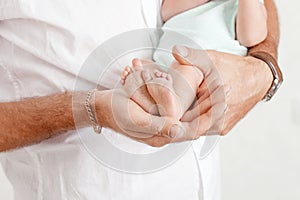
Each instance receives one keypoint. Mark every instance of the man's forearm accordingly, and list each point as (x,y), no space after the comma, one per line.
(270,44)
(36,119)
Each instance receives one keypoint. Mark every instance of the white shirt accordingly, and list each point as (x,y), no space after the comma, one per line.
(43,45)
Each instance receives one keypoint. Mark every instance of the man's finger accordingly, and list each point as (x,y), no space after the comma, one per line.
(198,109)
(211,83)
(146,123)
(155,141)
(205,124)
(217,97)
(188,56)
(199,126)
(202,92)
(214,119)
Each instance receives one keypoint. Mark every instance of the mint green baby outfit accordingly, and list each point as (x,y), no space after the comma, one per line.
(209,26)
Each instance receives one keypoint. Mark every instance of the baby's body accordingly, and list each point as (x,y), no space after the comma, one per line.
(175,90)
(251,17)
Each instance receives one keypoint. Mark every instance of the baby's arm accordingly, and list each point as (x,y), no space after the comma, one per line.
(251,26)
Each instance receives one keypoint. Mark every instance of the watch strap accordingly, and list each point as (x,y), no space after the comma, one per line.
(274,67)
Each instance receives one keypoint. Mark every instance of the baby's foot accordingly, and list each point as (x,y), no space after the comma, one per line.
(127,70)
(160,87)
(136,89)
(136,66)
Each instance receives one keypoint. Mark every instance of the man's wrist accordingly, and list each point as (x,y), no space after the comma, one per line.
(80,114)
(90,109)
(275,70)
(262,75)
(102,107)
(98,105)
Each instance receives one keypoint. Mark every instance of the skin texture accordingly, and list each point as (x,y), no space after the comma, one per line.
(228,93)
(33,120)
(243,92)
(174,91)
(134,121)
(270,44)
(170,8)
(251,22)
(240,96)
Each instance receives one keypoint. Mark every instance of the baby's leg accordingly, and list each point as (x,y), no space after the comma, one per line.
(160,87)
(175,91)
(135,87)
(186,80)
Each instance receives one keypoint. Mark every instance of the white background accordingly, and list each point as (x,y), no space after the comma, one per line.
(260,157)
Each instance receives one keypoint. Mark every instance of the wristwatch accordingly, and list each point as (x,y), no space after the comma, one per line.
(277,74)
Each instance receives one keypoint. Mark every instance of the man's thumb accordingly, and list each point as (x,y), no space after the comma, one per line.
(195,57)
(172,128)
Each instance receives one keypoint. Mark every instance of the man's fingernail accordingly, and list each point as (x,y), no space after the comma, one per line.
(182,50)
(176,131)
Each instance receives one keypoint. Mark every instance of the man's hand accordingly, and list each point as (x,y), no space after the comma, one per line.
(238,82)
(116,111)
(231,88)
(190,130)
(242,88)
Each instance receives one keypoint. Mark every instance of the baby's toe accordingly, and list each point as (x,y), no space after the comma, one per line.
(137,64)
